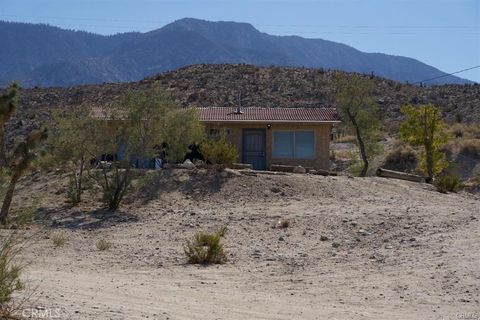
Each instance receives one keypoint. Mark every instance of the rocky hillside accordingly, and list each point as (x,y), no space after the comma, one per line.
(220,85)
(42,55)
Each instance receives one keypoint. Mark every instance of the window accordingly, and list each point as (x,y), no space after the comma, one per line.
(294,144)
(216,133)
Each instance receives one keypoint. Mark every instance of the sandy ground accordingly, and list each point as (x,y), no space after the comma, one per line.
(356,248)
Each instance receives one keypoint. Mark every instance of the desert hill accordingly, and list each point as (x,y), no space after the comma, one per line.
(220,86)
(43,55)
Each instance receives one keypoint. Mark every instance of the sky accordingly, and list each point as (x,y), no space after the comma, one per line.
(441,33)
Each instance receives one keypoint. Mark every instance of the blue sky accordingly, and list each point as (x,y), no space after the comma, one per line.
(442,33)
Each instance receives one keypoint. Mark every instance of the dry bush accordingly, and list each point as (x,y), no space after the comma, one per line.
(59,239)
(448,183)
(402,157)
(9,273)
(467,131)
(103,245)
(346,139)
(470,147)
(205,248)
(342,154)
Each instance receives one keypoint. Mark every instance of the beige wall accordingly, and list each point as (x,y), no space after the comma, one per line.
(322,141)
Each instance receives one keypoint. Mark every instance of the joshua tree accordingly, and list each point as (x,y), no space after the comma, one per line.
(18,160)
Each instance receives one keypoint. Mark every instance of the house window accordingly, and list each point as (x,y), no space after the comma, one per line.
(294,144)
(216,133)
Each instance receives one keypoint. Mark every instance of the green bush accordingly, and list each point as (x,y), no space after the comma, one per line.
(448,183)
(9,271)
(219,151)
(206,248)
(73,194)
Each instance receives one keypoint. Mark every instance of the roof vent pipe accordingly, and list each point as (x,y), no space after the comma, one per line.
(238,109)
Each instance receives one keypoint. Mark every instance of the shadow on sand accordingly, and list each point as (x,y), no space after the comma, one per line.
(195,183)
(83,219)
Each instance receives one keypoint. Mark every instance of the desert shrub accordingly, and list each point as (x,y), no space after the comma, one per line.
(9,272)
(467,131)
(59,239)
(346,139)
(402,157)
(73,193)
(219,151)
(448,183)
(205,248)
(103,245)
(470,147)
(28,213)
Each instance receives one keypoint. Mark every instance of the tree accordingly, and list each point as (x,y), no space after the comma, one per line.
(360,113)
(132,128)
(74,145)
(181,130)
(423,126)
(18,160)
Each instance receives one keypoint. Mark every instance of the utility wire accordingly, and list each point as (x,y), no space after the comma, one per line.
(446,75)
(263,25)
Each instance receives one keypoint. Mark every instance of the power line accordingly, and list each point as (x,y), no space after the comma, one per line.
(455,27)
(446,75)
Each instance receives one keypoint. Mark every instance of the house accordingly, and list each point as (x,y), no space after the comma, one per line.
(275,136)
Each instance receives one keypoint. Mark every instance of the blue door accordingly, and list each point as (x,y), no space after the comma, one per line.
(253,150)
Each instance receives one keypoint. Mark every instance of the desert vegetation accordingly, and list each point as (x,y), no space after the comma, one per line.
(300,228)
(14,161)
(206,248)
(10,272)
(360,114)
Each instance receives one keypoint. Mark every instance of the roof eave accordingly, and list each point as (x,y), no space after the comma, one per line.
(277,121)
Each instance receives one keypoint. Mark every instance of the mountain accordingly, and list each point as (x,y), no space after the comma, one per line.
(42,55)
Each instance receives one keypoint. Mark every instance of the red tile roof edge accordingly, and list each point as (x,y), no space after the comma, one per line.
(255,114)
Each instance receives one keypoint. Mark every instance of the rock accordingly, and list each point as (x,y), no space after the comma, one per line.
(323,238)
(187,164)
(275,189)
(282,224)
(281,238)
(335,244)
(299,169)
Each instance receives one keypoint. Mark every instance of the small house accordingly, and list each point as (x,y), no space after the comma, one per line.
(275,136)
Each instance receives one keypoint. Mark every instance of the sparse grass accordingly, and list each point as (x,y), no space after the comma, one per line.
(466,131)
(448,183)
(346,139)
(9,273)
(27,214)
(340,154)
(470,147)
(103,245)
(222,231)
(206,248)
(59,239)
